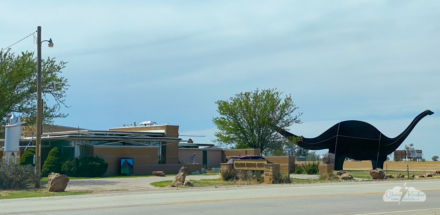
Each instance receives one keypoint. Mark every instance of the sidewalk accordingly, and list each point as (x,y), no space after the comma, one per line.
(115,184)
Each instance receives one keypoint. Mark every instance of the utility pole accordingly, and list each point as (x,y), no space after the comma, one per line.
(39,110)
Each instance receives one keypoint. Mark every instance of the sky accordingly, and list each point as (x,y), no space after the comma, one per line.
(170,61)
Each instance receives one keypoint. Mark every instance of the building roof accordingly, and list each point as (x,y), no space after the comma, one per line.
(107,137)
(197,140)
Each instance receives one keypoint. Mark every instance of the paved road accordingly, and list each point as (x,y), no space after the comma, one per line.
(337,198)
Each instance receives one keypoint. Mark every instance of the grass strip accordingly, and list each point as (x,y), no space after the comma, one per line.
(30,193)
(197,183)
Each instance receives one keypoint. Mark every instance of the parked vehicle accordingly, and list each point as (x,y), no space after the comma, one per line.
(246,157)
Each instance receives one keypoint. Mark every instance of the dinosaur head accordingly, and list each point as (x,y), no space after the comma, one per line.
(429,112)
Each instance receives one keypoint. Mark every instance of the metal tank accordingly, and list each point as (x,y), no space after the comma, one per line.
(12,138)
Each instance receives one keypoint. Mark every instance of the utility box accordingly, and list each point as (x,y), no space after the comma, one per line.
(12,138)
(12,135)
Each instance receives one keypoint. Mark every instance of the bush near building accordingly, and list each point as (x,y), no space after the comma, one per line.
(27,157)
(53,162)
(85,167)
(14,176)
(435,158)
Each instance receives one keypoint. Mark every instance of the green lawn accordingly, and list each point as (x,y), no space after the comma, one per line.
(197,183)
(366,174)
(211,182)
(43,192)
(162,183)
(304,181)
(128,176)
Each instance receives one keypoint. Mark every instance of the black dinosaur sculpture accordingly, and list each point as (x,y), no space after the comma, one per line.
(356,140)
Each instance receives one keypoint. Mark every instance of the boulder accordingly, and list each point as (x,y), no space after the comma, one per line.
(340,172)
(346,176)
(377,173)
(57,182)
(179,180)
(188,184)
(159,173)
(413,176)
(437,173)
(426,175)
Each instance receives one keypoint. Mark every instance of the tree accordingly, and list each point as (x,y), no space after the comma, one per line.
(435,158)
(53,162)
(312,156)
(18,87)
(27,157)
(410,147)
(247,119)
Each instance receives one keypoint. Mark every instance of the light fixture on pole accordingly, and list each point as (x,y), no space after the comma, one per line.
(49,41)
(39,106)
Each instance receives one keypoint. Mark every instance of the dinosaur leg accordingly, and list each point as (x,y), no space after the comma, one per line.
(374,164)
(339,162)
(380,162)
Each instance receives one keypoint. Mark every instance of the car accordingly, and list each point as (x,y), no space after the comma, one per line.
(246,157)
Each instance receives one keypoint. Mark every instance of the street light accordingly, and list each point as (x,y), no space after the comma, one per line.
(49,41)
(39,106)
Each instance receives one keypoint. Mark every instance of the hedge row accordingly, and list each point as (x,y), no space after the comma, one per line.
(84,167)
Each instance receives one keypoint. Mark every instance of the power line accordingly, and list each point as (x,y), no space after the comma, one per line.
(33,33)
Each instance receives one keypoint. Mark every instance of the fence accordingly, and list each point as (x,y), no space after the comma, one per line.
(393,165)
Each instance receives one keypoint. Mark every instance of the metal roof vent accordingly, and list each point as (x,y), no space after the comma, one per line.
(147,123)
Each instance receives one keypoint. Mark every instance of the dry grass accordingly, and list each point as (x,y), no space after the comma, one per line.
(197,183)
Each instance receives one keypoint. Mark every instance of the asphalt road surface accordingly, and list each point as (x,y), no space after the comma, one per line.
(326,198)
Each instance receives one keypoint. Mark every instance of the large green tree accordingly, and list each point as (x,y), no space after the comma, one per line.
(18,87)
(247,120)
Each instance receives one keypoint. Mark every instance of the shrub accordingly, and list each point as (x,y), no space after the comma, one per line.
(85,167)
(228,175)
(307,168)
(70,167)
(53,162)
(13,176)
(435,158)
(299,170)
(244,175)
(258,176)
(249,177)
(328,177)
(27,157)
(283,178)
(92,166)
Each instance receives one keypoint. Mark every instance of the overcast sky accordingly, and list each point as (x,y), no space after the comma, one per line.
(170,61)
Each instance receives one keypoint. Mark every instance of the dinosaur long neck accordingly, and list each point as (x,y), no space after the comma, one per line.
(307,143)
(394,143)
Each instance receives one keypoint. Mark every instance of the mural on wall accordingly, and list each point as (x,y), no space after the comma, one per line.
(356,140)
(127,166)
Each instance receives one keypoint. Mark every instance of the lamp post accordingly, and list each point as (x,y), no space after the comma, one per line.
(289,150)
(39,107)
